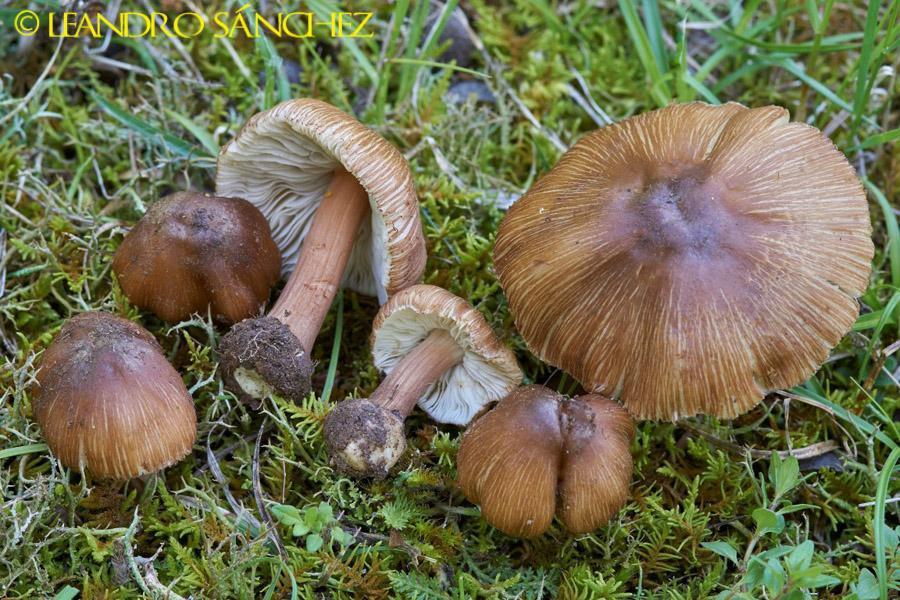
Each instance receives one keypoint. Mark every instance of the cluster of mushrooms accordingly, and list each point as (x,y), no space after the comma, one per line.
(681,262)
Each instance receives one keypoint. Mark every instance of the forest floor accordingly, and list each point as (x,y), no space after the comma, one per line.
(91,136)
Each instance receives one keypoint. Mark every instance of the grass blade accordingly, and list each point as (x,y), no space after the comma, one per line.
(654,28)
(893,230)
(659,88)
(878,139)
(408,72)
(878,525)
(21,450)
(432,63)
(335,350)
(323,10)
(150,132)
(861,97)
(195,130)
(807,395)
(398,16)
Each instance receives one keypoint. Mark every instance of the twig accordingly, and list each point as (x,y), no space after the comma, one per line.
(36,86)
(803,453)
(154,583)
(260,503)
(222,453)
(497,73)
(888,501)
(213,463)
(129,553)
(363,536)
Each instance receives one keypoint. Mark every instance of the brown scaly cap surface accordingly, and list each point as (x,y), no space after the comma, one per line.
(487,372)
(192,251)
(108,401)
(689,259)
(282,161)
(538,453)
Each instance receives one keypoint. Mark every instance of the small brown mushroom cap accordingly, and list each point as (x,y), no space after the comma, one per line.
(191,251)
(538,453)
(283,161)
(487,372)
(109,402)
(596,472)
(690,259)
(509,461)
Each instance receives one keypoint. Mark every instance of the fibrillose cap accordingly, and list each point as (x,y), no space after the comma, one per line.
(283,160)
(537,454)
(487,371)
(689,259)
(109,402)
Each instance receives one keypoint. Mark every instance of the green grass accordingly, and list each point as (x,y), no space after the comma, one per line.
(84,151)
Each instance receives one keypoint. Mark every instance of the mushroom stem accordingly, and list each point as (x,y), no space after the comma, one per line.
(315,281)
(417,371)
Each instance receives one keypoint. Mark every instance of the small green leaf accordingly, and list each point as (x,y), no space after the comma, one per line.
(67,593)
(773,577)
(325,512)
(796,507)
(340,536)
(300,528)
(286,514)
(314,542)
(866,588)
(784,473)
(768,521)
(817,580)
(776,552)
(800,558)
(723,549)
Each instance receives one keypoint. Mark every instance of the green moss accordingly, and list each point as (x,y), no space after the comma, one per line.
(92,149)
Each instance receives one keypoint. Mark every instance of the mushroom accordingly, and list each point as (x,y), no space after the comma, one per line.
(191,251)
(108,402)
(344,213)
(690,259)
(437,351)
(538,453)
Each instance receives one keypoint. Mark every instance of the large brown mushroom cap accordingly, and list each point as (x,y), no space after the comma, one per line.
(689,259)
(538,453)
(283,160)
(487,372)
(191,251)
(108,401)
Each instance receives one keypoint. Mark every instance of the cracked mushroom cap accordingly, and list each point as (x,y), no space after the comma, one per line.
(191,251)
(283,160)
(109,402)
(538,453)
(487,371)
(690,259)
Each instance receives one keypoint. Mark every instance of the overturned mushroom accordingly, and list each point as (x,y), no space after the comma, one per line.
(191,251)
(439,353)
(343,212)
(538,453)
(690,259)
(108,402)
